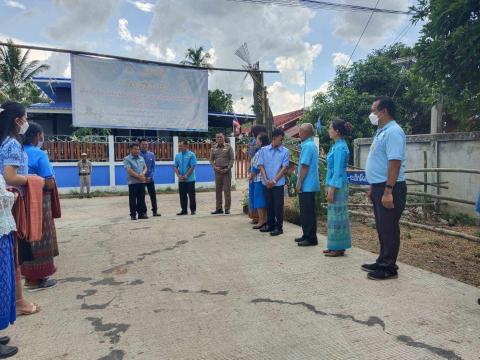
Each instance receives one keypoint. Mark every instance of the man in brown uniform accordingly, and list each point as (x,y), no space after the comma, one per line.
(221,159)
(85,173)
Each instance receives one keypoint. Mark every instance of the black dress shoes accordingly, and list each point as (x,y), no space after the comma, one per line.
(182,213)
(276,232)
(156,214)
(142,217)
(297,240)
(4,340)
(7,351)
(307,243)
(216,212)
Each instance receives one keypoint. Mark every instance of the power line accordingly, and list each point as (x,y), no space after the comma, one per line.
(317,4)
(363,32)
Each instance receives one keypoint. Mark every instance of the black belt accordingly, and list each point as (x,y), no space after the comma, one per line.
(382,184)
(84,174)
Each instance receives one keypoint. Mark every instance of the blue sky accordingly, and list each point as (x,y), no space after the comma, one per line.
(292,40)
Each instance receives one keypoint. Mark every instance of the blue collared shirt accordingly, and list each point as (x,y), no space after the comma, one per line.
(149,158)
(38,163)
(137,164)
(184,161)
(309,157)
(388,144)
(273,159)
(337,163)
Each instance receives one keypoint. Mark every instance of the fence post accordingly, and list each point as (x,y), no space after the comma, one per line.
(316,140)
(111,160)
(234,168)
(174,153)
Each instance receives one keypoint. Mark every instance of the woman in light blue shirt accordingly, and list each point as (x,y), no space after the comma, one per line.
(339,238)
(258,194)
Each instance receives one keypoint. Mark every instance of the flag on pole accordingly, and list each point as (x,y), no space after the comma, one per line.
(319,125)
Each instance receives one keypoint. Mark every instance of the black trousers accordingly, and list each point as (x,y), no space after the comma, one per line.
(153,194)
(274,198)
(387,222)
(187,189)
(308,216)
(136,199)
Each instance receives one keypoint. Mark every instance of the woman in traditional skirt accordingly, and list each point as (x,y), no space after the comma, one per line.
(338,224)
(259,202)
(40,254)
(7,268)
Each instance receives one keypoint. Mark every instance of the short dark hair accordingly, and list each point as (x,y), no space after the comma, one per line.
(257,130)
(386,102)
(133,145)
(184,142)
(142,140)
(278,132)
(33,130)
(264,140)
(220,133)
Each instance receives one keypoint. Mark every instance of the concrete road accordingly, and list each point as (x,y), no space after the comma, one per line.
(210,287)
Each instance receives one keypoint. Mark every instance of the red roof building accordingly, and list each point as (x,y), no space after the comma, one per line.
(288,122)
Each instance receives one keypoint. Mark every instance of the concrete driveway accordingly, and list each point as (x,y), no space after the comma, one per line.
(210,287)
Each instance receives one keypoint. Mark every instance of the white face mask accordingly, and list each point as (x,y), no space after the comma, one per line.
(23,128)
(373,119)
(40,144)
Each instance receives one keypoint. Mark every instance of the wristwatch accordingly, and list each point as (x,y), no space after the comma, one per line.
(389,186)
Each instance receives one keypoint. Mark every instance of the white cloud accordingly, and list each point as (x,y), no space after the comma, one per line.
(350,24)
(81,17)
(58,62)
(143,44)
(15,4)
(339,59)
(275,36)
(292,68)
(283,100)
(142,5)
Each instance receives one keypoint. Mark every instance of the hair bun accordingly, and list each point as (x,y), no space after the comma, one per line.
(348,126)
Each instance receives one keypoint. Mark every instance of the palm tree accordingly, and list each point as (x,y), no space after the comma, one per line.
(196,57)
(16,72)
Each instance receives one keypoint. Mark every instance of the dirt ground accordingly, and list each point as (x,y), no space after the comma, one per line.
(449,256)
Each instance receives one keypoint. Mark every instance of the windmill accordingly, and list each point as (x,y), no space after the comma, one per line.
(261,107)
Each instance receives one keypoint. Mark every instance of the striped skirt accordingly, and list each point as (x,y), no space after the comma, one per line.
(40,254)
(338,224)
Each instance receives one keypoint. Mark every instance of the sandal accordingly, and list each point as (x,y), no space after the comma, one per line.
(35,309)
(326,251)
(259,226)
(335,253)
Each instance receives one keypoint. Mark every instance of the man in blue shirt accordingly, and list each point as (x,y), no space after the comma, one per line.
(149,158)
(273,164)
(308,184)
(185,163)
(388,191)
(136,169)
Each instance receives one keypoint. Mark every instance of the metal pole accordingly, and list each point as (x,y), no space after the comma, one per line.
(88,53)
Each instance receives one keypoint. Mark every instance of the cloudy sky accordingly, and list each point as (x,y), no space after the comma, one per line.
(291,40)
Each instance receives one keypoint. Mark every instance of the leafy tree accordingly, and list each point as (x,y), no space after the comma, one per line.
(16,74)
(196,57)
(353,90)
(219,101)
(448,54)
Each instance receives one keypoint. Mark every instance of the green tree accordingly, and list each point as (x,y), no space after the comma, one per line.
(196,57)
(16,74)
(353,90)
(219,101)
(448,54)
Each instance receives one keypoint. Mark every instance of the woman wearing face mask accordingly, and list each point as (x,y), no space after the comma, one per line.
(339,238)
(40,253)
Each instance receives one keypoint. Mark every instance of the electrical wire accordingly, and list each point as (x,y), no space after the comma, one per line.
(361,35)
(317,4)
